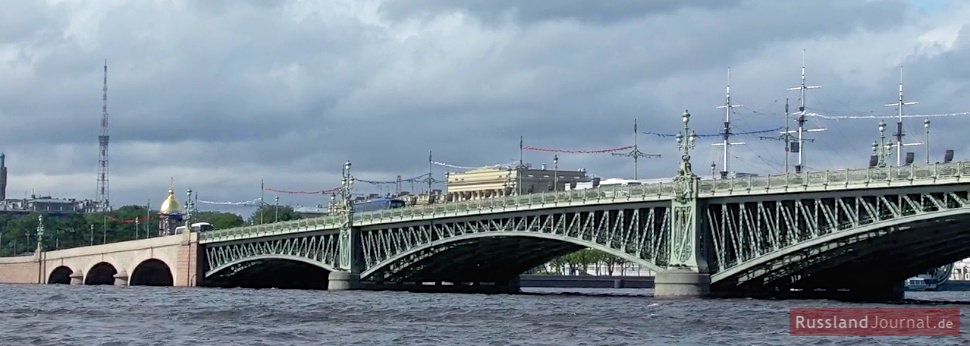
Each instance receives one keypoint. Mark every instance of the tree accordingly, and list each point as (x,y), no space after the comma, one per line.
(611,262)
(557,264)
(267,213)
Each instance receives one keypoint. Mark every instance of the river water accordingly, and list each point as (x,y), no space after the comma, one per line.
(107,315)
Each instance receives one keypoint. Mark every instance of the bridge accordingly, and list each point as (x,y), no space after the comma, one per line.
(162,261)
(851,233)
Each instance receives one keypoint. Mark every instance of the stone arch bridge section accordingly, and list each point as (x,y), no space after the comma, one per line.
(166,261)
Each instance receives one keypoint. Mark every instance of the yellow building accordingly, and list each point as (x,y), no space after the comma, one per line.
(497,182)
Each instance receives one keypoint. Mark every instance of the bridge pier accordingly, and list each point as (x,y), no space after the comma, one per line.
(77,278)
(681,283)
(121,278)
(343,281)
(511,286)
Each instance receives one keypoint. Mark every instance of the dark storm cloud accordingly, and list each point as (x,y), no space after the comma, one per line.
(221,94)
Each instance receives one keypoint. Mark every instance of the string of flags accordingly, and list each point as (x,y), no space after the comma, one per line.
(501,165)
(569,151)
(717,134)
(318,192)
(850,117)
(408,180)
(127,221)
(252,202)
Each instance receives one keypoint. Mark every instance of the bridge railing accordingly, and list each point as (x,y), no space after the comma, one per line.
(618,194)
(839,179)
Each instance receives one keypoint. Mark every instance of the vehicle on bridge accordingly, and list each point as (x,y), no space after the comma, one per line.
(196,227)
(598,183)
(379,204)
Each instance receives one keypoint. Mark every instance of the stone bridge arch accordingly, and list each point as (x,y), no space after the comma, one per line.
(879,253)
(60,275)
(506,255)
(102,271)
(152,272)
(54,271)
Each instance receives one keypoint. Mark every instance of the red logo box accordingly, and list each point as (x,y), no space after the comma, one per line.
(874,322)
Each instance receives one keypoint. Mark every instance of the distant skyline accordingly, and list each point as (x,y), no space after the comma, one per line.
(219,95)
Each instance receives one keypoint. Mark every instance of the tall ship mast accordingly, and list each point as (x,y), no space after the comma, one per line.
(799,146)
(726,134)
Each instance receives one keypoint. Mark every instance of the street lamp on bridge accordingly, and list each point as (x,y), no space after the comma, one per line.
(684,228)
(555,173)
(882,149)
(686,146)
(40,233)
(926,125)
(347,275)
(188,210)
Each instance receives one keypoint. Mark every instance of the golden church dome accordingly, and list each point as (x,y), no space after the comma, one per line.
(170,205)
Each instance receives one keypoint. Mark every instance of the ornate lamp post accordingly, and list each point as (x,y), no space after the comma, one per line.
(188,210)
(684,205)
(346,191)
(40,249)
(555,172)
(347,185)
(884,147)
(347,277)
(40,233)
(277,208)
(686,146)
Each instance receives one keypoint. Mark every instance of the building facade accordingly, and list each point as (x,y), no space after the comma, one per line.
(47,205)
(498,182)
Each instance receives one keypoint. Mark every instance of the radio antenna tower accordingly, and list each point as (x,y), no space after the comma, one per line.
(800,140)
(636,154)
(103,148)
(899,122)
(727,128)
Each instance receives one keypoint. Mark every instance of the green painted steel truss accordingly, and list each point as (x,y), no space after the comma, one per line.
(634,232)
(317,249)
(744,238)
(770,239)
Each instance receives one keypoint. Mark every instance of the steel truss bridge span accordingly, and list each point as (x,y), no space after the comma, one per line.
(496,248)
(877,237)
(825,181)
(895,223)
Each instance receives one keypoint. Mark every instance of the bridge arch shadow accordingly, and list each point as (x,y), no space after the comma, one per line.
(101,273)
(60,276)
(270,271)
(875,255)
(496,257)
(152,272)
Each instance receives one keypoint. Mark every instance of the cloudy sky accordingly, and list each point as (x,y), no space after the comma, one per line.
(221,94)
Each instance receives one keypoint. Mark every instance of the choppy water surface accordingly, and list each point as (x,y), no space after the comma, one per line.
(105,315)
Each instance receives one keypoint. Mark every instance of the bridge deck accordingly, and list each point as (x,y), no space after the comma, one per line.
(849,179)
